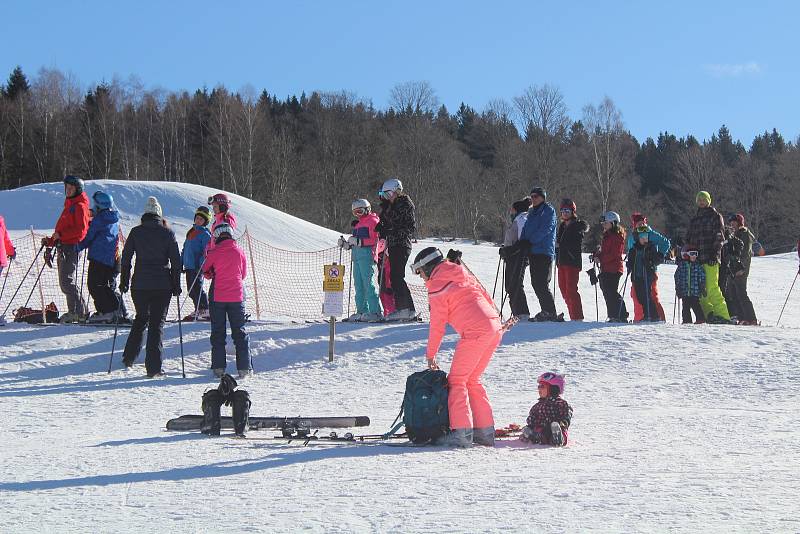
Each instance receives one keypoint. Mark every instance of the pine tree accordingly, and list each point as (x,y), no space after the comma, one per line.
(17,84)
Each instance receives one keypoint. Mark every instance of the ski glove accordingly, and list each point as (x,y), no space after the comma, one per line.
(353,241)
(343,243)
(176,292)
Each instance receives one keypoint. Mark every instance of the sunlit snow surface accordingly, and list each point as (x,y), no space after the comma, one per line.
(676,428)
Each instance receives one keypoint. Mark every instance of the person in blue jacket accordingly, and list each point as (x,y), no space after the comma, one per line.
(102,241)
(539,233)
(193,256)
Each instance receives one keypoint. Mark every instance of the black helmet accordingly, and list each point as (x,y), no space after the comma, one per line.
(426,260)
(74,180)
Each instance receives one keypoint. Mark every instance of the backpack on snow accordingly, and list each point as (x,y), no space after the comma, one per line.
(31,316)
(424,410)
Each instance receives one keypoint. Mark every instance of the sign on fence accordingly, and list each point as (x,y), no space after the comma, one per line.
(333,287)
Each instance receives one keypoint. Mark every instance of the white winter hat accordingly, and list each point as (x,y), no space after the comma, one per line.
(152,206)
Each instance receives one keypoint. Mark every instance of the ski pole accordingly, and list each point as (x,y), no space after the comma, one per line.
(505,293)
(116,329)
(5,280)
(596,302)
(84,308)
(197,276)
(787,298)
(23,281)
(622,295)
(180,333)
(35,283)
(674,307)
(496,276)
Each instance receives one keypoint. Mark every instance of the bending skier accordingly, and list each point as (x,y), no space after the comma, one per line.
(457,297)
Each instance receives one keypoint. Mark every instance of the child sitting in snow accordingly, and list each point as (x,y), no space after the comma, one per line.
(549,419)
(227,267)
(690,284)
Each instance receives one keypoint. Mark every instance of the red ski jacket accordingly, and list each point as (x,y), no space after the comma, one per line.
(74,221)
(612,248)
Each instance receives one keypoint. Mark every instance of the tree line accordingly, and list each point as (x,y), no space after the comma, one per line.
(311,155)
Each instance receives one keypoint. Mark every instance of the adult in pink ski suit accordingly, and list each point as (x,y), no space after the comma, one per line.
(457,298)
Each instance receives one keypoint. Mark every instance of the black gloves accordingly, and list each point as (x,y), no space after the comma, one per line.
(592,276)
(454,256)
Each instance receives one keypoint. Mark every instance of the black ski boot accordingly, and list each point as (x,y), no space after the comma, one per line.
(212,401)
(240,404)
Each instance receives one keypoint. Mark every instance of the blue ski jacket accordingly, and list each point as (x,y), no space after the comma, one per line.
(540,230)
(102,238)
(194,247)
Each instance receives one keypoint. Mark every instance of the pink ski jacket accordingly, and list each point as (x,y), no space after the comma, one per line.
(227,266)
(457,298)
(364,229)
(6,246)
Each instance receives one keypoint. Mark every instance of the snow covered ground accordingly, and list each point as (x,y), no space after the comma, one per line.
(676,428)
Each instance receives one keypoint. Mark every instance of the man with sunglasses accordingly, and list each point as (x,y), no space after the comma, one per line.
(662,246)
(737,283)
(397,225)
(706,230)
(539,233)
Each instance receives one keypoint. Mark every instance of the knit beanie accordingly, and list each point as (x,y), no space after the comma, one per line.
(203,212)
(705,195)
(638,218)
(738,217)
(539,191)
(521,206)
(152,206)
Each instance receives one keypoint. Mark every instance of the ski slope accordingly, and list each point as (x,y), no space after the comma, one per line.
(676,428)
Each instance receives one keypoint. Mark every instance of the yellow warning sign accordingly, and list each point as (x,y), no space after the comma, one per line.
(334,278)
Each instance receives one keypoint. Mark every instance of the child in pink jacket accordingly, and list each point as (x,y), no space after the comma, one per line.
(456,297)
(7,251)
(226,266)
(362,249)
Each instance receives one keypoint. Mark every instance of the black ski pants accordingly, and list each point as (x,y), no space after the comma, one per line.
(689,305)
(194,284)
(541,265)
(101,286)
(514,273)
(151,312)
(615,304)
(398,259)
(737,294)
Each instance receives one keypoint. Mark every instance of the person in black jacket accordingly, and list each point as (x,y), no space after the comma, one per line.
(397,226)
(569,246)
(155,280)
(730,264)
(737,286)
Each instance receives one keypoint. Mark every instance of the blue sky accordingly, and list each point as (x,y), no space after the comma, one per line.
(684,67)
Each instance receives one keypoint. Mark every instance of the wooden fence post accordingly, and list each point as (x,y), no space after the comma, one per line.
(41,293)
(253,272)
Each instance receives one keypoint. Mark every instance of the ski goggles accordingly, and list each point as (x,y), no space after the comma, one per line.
(642,228)
(547,376)
(566,210)
(690,254)
(386,194)
(358,212)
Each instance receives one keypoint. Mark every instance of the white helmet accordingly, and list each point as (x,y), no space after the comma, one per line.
(392,185)
(361,203)
(223,228)
(610,216)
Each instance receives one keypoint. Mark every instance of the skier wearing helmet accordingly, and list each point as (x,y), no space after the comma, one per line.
(549,419)
(609,255)
(397,225)
(226,265)
(362,248)
(221,205)
(70,229)
(457,297)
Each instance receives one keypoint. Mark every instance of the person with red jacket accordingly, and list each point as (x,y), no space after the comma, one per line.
(71,228)
(458,298)
(226,266)
(609,255)
(7,250)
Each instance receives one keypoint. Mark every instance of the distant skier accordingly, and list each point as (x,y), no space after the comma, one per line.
(70,229)
(737,287)
(226,265)
(153,284)
(193,255)
(690,284)
(362,247)
(457,298)
(549,419)
(643,260)
(516,260)
(221,205)
(662,246)
(569,256)
(540,233)
(7,250)
(706,231)
(730,263)
(609,255)
(102,240)
(397,225)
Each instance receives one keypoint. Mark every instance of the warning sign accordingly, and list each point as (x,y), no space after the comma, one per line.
(334,278)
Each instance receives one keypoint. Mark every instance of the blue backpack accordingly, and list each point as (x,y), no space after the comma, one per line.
(424,411)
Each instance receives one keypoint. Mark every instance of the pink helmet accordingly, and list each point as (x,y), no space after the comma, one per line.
(552,379)
(220,198)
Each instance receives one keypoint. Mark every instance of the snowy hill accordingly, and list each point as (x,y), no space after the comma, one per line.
(676,428)
(40,205)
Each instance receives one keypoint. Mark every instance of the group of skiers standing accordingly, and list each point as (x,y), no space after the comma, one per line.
(711,277)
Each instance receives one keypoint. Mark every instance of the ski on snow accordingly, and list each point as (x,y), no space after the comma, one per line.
(194,422)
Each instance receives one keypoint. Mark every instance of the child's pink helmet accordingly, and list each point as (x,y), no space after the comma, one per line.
(552,379)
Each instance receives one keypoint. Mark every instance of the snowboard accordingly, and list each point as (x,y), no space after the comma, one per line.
(194,422)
